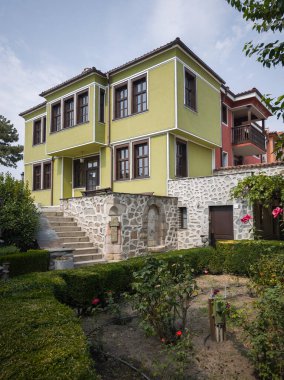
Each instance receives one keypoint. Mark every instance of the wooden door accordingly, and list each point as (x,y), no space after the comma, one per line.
(221,222)
(92,173)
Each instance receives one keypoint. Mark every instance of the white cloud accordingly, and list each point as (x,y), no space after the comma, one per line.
(20,86)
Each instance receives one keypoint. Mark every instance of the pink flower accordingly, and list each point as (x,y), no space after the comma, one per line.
(277,211)
(95,301)
(216,291)
(206,271)
(179,333)
(163,340)
(246,218)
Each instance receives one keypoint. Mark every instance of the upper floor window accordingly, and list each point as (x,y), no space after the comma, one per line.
(122,163)
(82,104)
(181,158)
(37,132)
(190,89)
(56,117)
(224,114)
(37,177)
(69,112)
(121,102)
(139,101)
(44,129)
(102,106)
(141,160)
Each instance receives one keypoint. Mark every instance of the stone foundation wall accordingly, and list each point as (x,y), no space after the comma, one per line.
(198,194)
(130,213)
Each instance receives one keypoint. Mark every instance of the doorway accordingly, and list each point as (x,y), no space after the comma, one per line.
(221,222)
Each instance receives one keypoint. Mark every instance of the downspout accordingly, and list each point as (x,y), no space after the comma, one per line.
(51,190)
(109,133)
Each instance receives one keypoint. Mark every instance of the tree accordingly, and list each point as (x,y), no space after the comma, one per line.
(266,15)
(9,154)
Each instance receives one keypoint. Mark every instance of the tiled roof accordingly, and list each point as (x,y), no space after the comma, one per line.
(251,166)
(32,109)
(248,92)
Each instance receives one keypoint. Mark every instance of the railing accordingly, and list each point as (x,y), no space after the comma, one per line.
(248,134)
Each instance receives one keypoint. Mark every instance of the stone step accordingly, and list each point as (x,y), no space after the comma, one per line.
(78,245)
(89,262)
(49,214)
(75,239)
(67,228)
(72,234)
(59,219)
(82,251)
(60,224)
(87,257)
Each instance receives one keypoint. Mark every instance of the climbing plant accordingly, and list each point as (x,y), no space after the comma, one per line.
(262,189)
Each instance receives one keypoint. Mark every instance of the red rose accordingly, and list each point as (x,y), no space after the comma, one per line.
(277,211)
(179,333)
(246,218)
(95,301)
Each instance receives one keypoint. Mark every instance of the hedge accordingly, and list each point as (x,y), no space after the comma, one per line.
(27,262)
(8,250)
(40,337)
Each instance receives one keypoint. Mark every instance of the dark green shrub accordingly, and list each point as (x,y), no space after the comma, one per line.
(8,250)
(18,215)
(27,262)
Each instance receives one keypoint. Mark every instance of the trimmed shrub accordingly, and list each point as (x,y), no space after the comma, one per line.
(10,249)
(40,338)
(27,262)
(19,217)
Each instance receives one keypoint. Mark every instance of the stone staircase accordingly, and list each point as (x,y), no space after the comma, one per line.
(70,236)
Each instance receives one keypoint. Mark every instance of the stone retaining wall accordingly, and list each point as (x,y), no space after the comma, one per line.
(131,217)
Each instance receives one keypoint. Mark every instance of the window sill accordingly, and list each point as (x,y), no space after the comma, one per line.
(139,178)
(191,109)
(79,188)
(67,128)
(42,189)
(41,143)
(122,180)
(133,114)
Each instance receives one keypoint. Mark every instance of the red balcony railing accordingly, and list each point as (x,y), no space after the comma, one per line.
(248,134)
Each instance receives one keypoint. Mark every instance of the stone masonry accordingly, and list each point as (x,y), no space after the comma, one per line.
(198,194)
(125,225)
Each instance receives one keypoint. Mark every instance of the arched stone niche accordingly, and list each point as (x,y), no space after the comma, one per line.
(154,225)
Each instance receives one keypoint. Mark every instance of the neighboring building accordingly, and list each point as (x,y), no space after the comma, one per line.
(272,138)
(152,119)
(243,119)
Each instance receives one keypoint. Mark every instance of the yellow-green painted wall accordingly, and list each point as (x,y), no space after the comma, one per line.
(40,196)
(105,179)
(67,177)
(100,131)
(200,160)
(157,182)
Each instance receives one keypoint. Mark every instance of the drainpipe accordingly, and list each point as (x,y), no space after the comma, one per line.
(51,190)
(109,133)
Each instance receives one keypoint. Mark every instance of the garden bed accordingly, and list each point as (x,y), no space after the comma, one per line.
(208,360)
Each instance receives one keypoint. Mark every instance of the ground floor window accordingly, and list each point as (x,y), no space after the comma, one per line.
(182,222)
(42,176)
(181,158)
(141,160)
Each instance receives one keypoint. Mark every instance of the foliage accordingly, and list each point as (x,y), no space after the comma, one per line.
(18,217)
(267,272)
(8,250)
(267,16)
(261,188)
(9,154)
(40,338)
(162,296)
(27,262)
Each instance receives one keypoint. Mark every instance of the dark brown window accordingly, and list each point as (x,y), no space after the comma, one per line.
(139,103)
(102,105)
(37,177)
(78,174)
(181,159)
(121,102)
(224,114)
(190,90)
(182,217)
(83,105)
(122,163)
(47,175)
(44,130)
(37,132)
(56,117)
(141,160)
(69,112)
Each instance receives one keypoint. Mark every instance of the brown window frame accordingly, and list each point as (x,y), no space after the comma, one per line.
(136,95)
(190,92)
(47,175)
(36,186)
(135,145)
(118,101)
(119,161)
(79,179)
(69,114)
(181,171)
(55,125)
(223,108)
(37,132)
(44,129)
(102,106)
(81,116)
(182,218)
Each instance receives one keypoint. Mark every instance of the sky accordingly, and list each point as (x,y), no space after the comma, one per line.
(43,43)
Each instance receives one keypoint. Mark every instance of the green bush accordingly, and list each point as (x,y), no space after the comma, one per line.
(40,338)
(27,262)
(18,216)
(8,250)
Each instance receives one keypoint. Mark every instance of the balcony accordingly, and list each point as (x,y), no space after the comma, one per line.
(248,140)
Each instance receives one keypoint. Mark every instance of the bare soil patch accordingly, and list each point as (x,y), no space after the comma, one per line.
(209,360)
